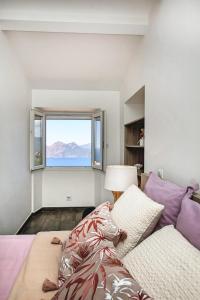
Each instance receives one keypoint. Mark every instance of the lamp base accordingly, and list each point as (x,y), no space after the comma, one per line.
(116,195)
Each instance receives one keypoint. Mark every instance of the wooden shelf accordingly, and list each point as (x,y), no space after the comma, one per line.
(134,146)
(133,153)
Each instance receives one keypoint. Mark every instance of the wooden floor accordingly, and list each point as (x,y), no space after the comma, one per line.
(53,219)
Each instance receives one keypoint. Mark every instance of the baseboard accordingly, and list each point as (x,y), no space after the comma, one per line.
(23,224)
(37,211)
(27,219)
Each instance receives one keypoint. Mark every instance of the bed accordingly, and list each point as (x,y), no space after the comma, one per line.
(41,262)
(13,251)
(35,259)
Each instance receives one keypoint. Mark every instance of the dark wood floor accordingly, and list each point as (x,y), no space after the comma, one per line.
(52,219)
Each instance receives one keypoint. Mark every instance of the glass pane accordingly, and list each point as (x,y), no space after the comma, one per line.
(38,145)
(68,143)
(97,141)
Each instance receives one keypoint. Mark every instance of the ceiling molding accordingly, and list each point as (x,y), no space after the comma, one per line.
(132,28)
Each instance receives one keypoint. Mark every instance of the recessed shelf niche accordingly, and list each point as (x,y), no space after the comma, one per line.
(133,151)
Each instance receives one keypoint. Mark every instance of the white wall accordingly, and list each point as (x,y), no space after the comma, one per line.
(79,185)
(37,189)
(134,107)
(133,82)
(169,67)
(15,101)
(84,186)
(134,79)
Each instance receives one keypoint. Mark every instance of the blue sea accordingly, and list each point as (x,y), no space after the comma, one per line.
(68,162)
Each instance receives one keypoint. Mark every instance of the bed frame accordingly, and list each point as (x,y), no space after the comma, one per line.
(144,178)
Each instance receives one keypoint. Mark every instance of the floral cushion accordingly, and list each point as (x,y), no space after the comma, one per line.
(91,222)
(101,276)
(96,228)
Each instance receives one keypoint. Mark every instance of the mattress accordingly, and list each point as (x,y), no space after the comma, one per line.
(13,251)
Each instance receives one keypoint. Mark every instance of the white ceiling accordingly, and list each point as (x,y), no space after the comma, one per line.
(105,16)
(62,9)
(75,44)
(74,61)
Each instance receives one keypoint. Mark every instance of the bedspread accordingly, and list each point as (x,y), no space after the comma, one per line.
(42,262)
(13,250)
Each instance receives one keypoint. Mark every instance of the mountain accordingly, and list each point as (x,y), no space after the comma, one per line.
(86,146)
(61,150)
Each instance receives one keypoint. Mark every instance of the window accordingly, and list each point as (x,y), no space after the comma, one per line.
(37,138)
(98,142)
(68,143)
(72,140)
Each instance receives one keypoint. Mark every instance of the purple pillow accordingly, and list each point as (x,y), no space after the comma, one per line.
(188,222)
(168,194)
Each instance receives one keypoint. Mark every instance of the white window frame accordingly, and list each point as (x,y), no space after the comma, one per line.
(68,116)
(33,113)
(98,164)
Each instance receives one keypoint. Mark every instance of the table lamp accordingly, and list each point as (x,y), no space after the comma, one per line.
(119,178)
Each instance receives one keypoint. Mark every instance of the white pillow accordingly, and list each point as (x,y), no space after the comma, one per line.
(166,265)
(137,214)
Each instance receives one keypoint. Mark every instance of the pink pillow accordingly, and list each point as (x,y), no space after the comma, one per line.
(188,222)
(101,276)
(168,194)
(85,237)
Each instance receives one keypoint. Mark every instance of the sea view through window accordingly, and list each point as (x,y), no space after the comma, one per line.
(68,143)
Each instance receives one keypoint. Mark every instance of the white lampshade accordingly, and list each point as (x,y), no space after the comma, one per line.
(119,178)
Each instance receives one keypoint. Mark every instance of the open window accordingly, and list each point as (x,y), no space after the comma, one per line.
(68,140)
(64,139)
(98,140)
(37,140)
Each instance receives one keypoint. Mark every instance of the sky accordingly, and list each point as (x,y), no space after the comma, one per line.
(67,131)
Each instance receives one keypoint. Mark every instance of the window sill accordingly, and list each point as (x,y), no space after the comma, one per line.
(68,169)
